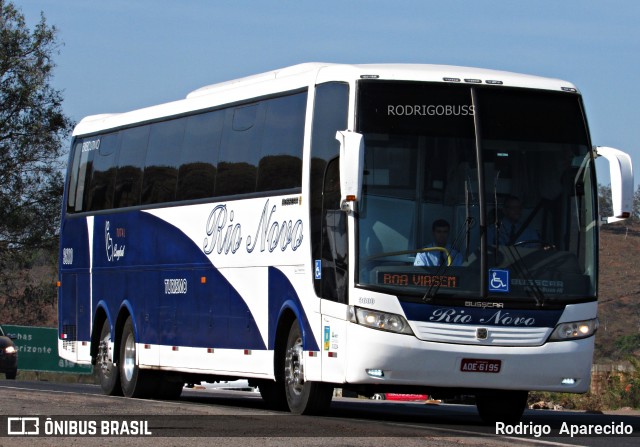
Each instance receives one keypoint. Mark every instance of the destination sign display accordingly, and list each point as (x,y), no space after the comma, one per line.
(417,279)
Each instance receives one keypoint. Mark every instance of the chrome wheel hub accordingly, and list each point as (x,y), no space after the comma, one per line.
(104,359)
(129,361)
(293,370)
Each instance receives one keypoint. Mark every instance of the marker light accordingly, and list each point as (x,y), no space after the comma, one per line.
(375,372)
(380,320)
(574,330)
(568,381)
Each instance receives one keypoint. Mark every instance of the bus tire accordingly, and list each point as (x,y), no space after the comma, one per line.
(273,394)
(501,406)
(108,373)
(168,388)
(135,382)
(303,397)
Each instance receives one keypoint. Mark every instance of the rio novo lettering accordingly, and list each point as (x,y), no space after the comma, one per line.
(498,318)
(225,236)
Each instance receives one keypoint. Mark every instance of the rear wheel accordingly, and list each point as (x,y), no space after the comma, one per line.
(168,388)
(108,373)
(135,382)
(303,397)
(501,406)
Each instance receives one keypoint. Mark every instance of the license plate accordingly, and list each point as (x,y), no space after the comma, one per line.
(480,365)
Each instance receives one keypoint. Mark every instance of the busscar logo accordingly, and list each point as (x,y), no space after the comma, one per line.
(484,304)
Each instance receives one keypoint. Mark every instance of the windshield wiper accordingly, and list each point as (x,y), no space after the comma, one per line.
(522,270)
(497,222)
(518,263)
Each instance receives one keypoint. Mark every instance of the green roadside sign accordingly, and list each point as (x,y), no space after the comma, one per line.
(38,350)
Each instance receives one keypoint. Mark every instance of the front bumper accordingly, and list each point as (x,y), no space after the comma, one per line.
(407,361)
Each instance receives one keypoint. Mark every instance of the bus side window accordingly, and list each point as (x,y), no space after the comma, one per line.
(76,176)
(161,167)
(133,151)
(239,151)
(280,165)
(101,181)
(199,156)
(329,115)
(334,238)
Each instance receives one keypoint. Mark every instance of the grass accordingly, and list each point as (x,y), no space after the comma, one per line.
(622,391)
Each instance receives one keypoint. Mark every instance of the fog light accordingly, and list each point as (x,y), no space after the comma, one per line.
(568,381)
(375,372)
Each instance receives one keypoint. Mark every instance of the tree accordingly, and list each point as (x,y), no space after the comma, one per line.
(635,214)
(605,206)
(33,128)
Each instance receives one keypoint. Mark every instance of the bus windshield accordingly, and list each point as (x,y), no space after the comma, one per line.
(475,191)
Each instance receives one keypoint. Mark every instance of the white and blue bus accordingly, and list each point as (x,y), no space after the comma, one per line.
(278,228)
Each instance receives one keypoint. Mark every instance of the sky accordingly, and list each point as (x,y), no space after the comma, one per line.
(120,55)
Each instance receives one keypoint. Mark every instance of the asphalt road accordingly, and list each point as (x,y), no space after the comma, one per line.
(233,418)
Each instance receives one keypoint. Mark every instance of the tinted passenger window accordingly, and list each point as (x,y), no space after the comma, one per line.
(280,164)
(130,164)
(240,149)
(74,173)
(99,195)
(161,168)
(200,147)
(233,151)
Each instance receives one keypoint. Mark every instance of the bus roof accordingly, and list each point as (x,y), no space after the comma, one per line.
(303,75)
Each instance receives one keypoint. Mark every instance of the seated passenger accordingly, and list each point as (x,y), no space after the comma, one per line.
(435,257)
(510,230)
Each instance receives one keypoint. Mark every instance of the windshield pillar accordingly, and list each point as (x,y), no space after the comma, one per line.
(481,198)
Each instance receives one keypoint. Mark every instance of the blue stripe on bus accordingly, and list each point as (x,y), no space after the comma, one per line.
(134,254)
(282,295)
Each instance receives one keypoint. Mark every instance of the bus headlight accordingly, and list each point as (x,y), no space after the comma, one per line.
(574,330)
(380,320)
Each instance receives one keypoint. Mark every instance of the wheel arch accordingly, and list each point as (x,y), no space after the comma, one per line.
(285,319)
(124,313)
(101,315)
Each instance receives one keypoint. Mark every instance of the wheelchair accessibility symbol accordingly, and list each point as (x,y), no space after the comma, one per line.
(498,280)
(318,269)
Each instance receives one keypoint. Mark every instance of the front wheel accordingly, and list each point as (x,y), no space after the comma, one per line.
(11,375)
(273,394)
(303,397)
(501,406)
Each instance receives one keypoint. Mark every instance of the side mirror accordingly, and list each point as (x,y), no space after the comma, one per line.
(351,168)
(621,173)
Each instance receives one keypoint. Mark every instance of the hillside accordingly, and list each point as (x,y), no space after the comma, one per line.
(619,310)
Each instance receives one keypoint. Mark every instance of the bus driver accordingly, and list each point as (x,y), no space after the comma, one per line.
(433,258)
